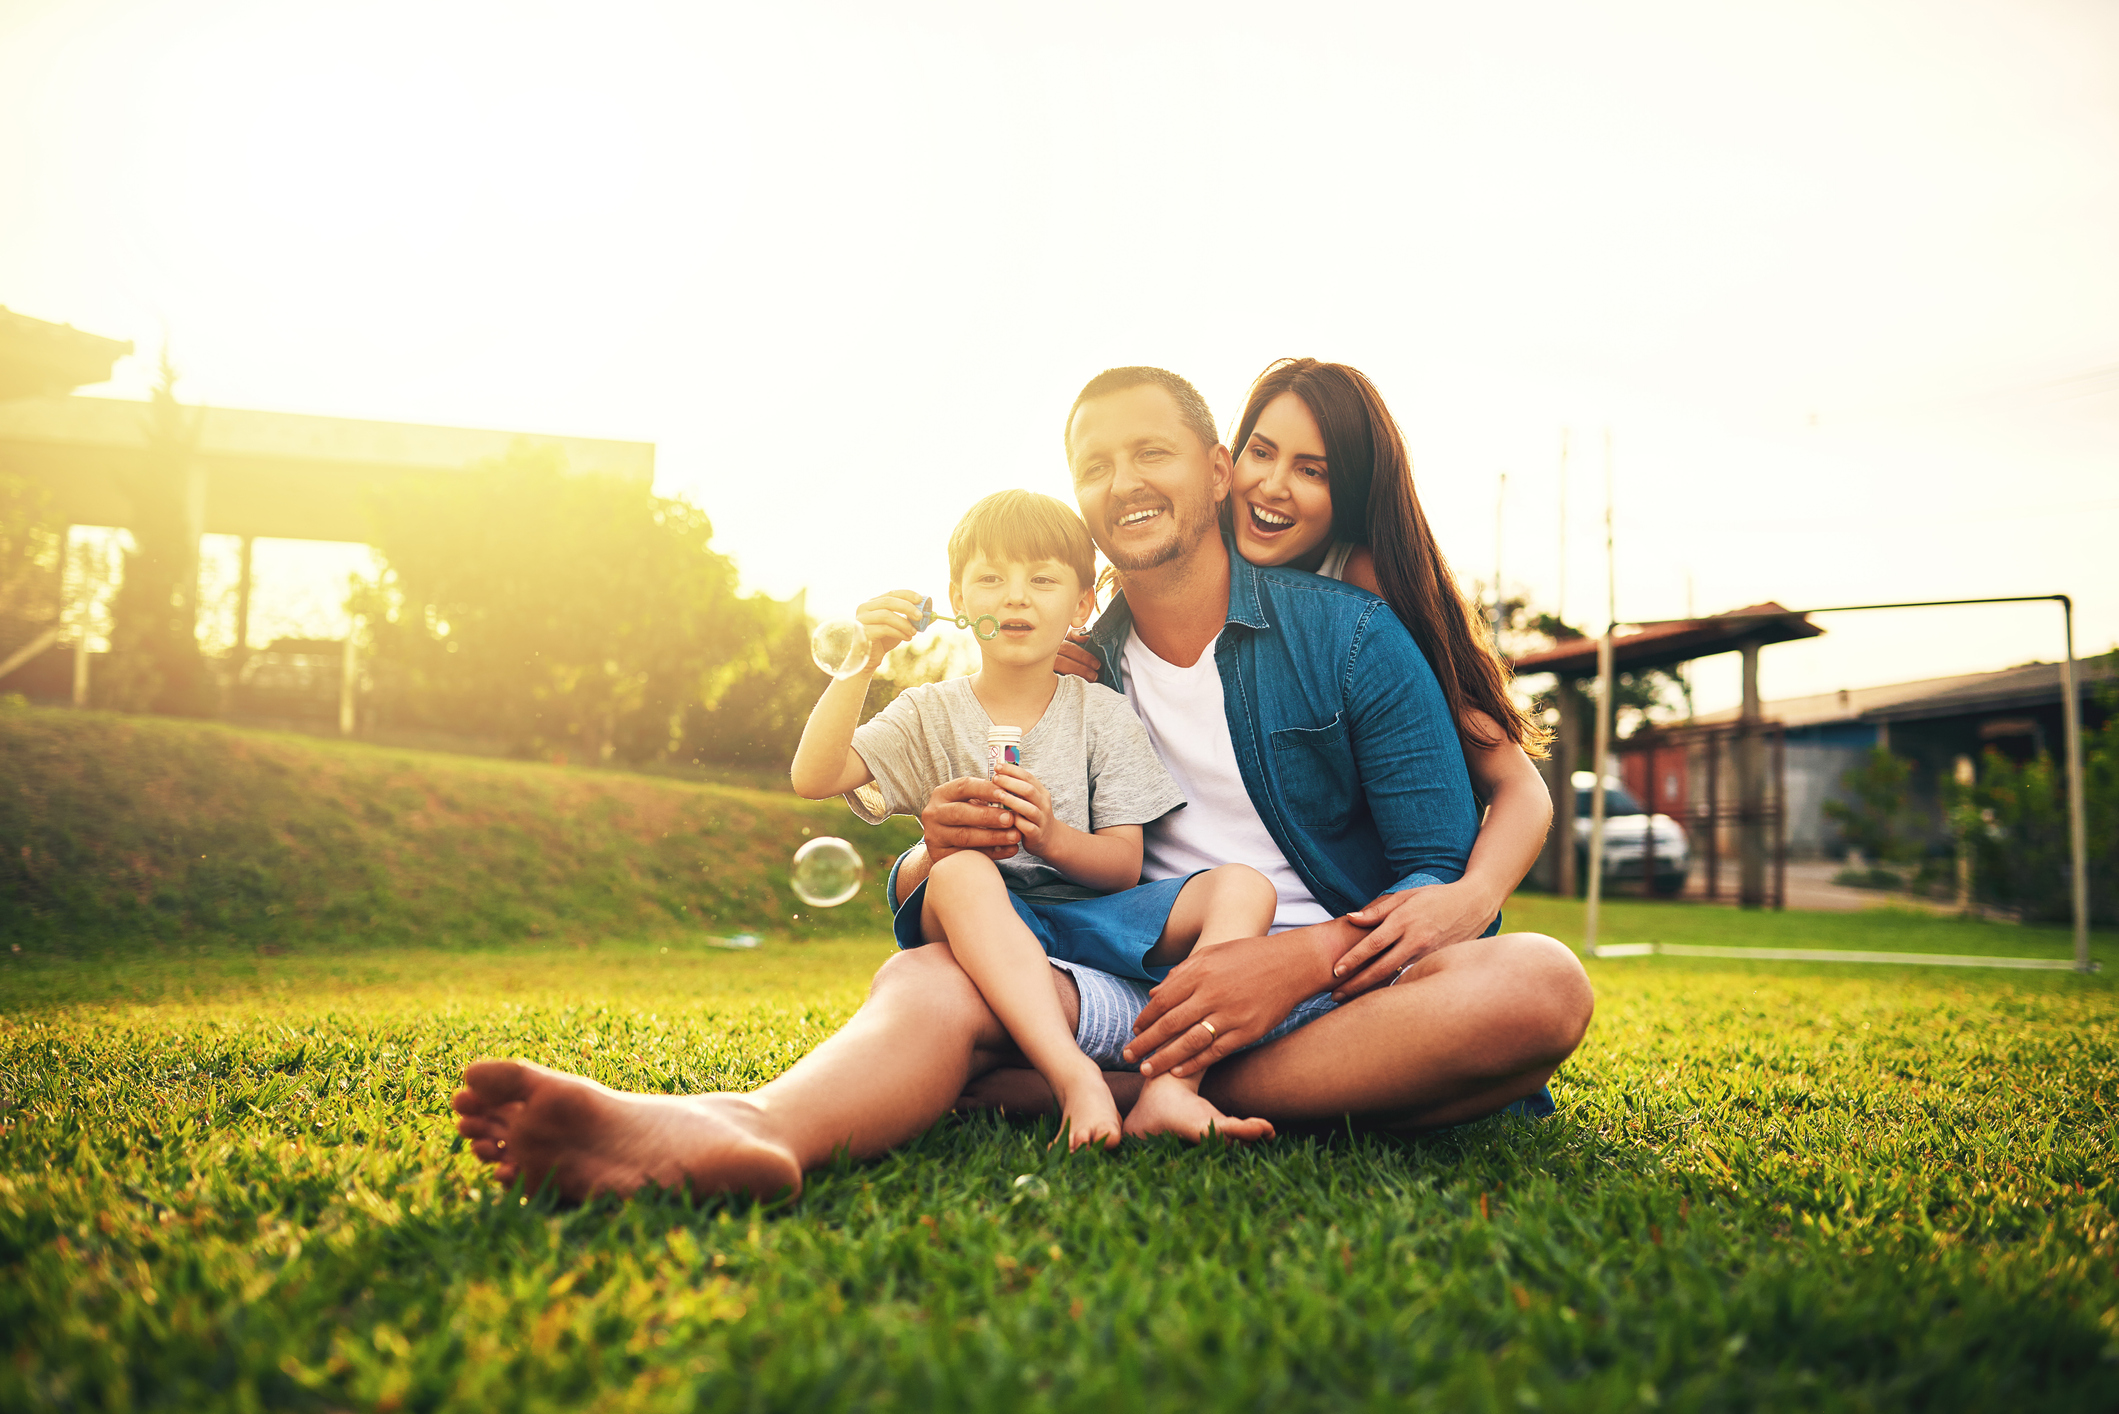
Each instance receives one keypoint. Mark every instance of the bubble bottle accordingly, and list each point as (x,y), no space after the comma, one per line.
(1004,747)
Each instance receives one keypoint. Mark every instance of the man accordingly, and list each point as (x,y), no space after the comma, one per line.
(1324,758)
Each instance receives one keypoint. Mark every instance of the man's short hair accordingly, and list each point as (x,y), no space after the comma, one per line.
(1023,527)
(1190,405)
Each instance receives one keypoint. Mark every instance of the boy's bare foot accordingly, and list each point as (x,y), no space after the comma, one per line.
(582,1138)
(1088,1115)
(1019,1090)
(1169,1106)
(1011,1089)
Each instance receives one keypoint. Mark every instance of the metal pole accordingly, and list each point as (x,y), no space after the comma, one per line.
(1560,608)
(2077,825)
(1500,505)
(1596,793)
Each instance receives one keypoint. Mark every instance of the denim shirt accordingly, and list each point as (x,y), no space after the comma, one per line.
(1346,746)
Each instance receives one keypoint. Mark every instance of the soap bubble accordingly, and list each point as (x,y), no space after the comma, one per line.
(827,872)
(840,647)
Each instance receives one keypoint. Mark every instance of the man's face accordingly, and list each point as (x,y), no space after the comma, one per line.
(1146,487)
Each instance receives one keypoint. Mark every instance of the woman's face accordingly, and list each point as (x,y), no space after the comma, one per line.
(1283,499)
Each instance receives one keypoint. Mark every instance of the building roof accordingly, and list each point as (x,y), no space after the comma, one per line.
(268,473)
(318,442)
(38,359)
(2007,689)
(1677,641)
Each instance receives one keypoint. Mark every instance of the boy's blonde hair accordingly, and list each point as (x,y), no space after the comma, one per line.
(1023,526)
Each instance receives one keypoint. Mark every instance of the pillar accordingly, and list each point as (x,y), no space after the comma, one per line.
(242,606)
(348,669)
(1751,790)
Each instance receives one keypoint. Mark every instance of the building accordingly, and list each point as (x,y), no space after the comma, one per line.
(1933,723)
(245,473)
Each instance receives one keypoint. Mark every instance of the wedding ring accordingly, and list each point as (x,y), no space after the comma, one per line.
(1210,1028)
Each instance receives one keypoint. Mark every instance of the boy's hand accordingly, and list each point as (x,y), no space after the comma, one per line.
(1076,660)
(888,619)
(1026,795)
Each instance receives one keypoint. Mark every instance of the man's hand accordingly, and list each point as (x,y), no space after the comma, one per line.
(961,815)
(1026,796)
(1403,928)
(1241,989)
(1078,660)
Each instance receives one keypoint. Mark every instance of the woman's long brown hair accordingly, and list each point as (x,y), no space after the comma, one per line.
(1374,504)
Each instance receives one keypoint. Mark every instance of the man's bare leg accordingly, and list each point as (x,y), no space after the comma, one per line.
(967,906)
(1467,1030)
(886,1076)
(1219,906)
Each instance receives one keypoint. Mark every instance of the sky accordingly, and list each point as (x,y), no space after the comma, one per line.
(1837,280)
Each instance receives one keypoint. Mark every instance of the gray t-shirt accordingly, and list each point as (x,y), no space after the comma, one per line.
(1089,750)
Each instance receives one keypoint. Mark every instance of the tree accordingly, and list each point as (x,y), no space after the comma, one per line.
(1639,699)
(30,536)
(552,610)
(758,718)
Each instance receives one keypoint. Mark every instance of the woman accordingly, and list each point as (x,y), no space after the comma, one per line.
(1323,483)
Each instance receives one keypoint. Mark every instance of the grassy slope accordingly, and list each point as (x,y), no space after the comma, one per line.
(233,1183)
(118,831)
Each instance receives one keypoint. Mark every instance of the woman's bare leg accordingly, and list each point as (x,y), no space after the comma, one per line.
(1468,1029)
(967,906)
(1219,906)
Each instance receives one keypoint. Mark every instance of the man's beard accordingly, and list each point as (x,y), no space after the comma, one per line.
(1189,525)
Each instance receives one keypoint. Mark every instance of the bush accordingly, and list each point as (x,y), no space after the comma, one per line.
(2015,821)
(1878,821)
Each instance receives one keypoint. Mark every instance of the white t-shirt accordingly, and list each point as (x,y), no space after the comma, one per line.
(1182,710)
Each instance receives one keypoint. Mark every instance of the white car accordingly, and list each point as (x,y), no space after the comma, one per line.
(1627,828)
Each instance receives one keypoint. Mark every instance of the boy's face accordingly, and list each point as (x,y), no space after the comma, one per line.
(1035,604)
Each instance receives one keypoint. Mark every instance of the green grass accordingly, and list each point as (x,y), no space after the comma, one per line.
(227,1180)
(124,835)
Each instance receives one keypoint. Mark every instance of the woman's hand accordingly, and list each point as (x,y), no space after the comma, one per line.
(1405,927)
(888,620)
(1076,660)
(1241,990)
(961,815)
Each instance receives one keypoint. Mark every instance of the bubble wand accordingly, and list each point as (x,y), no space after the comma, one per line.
(840,646)
(986,626)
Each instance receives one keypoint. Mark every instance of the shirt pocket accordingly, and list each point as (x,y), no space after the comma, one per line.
(1315,767)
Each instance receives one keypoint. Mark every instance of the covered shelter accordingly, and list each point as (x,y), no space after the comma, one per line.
(244,473)
(1666,645)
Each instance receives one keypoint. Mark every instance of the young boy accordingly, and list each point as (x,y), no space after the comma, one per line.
(1087,782)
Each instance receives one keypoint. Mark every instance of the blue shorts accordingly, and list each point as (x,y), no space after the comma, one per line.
(1113,933)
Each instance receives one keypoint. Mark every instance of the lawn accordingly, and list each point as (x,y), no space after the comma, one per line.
(227,1180)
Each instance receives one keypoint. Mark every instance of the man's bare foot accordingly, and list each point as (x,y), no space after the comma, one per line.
(1088,1115)
(1169,1106)
(546,1127)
